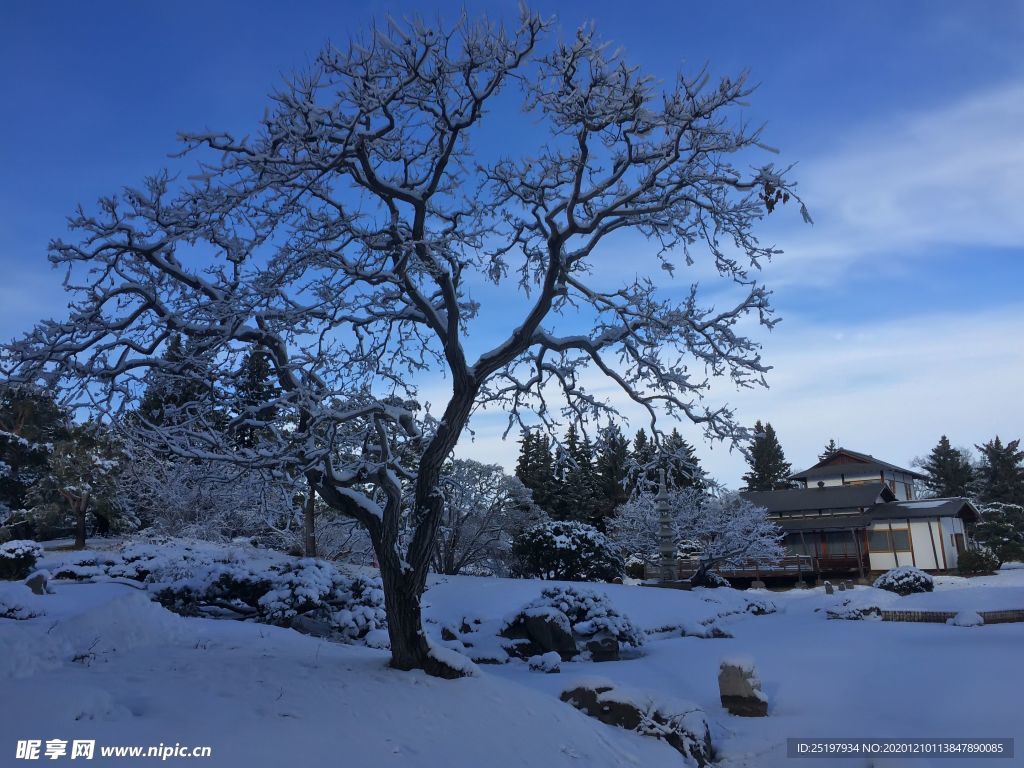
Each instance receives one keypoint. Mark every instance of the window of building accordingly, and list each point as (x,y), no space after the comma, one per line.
(840,544)
(884,540)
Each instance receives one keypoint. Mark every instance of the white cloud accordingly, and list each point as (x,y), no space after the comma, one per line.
(950,176)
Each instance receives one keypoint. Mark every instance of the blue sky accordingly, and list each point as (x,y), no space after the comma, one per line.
(902,305)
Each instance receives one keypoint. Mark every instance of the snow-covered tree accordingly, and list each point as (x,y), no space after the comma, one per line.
(30,423)
(674,456)
(721,530)
(535,467)
(612,470)
(1000,528)
(566,550)
(80,479)
(341,240)
(484,509)
(208,500)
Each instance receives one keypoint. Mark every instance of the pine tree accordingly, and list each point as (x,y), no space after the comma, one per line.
(535,468)
(612,467)
(1000,474)
(948,472)
(830,450)
(768,466)
(642,456)
(574,497)
(682,467)
(524,464)
(256,390)
(173,385)
(30,423)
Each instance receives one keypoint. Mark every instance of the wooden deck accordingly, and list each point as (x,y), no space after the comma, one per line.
(791,567)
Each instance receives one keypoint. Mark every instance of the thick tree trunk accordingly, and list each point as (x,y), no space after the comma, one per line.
(80,510)
(409,647)
(309,524)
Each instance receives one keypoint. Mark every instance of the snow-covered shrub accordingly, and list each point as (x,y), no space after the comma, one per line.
(80,567)
(566,550)
(712,580)
(14,603)
(859,613)
(636,567)
(236,581)
(583,615)
(549,663)
(905,580)
(590,613)
(18,558)
(975,561)
(966,619)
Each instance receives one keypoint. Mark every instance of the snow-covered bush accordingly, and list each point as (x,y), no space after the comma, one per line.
(82,566)
(549,663)
(14,603)
(581,616)
(566,550)
(590,613)
(636,567)
(713,580)
(203,579)
(905,580)
(18,558)
(966,619)
(975,561)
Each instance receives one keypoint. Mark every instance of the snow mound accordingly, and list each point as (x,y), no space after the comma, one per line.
(966,619)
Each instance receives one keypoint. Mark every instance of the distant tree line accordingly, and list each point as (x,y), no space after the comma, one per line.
(586,479)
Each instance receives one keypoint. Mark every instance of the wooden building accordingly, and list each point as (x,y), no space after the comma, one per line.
(854,514)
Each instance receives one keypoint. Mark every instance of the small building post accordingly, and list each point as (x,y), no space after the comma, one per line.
(666,537)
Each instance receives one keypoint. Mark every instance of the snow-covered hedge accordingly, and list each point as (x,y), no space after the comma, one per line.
(905,580)
(566,550)
(18,558)
(203,579)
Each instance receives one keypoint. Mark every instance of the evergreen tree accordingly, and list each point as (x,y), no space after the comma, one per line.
(948,472)
(642,457)
(1001,529)
(675,455)
(612,467)
(30,423)
(256,390)
(830,450)
(80,480)
(681,465)
(575,496)
(1000,474)
(768,466)
(177,382)
(535,468)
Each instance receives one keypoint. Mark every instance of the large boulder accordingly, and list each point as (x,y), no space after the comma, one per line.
(603,648)
(683,726)
(740,689)
(545,629)
(39,582)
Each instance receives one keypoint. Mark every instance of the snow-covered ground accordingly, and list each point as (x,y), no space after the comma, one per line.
(102,662)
